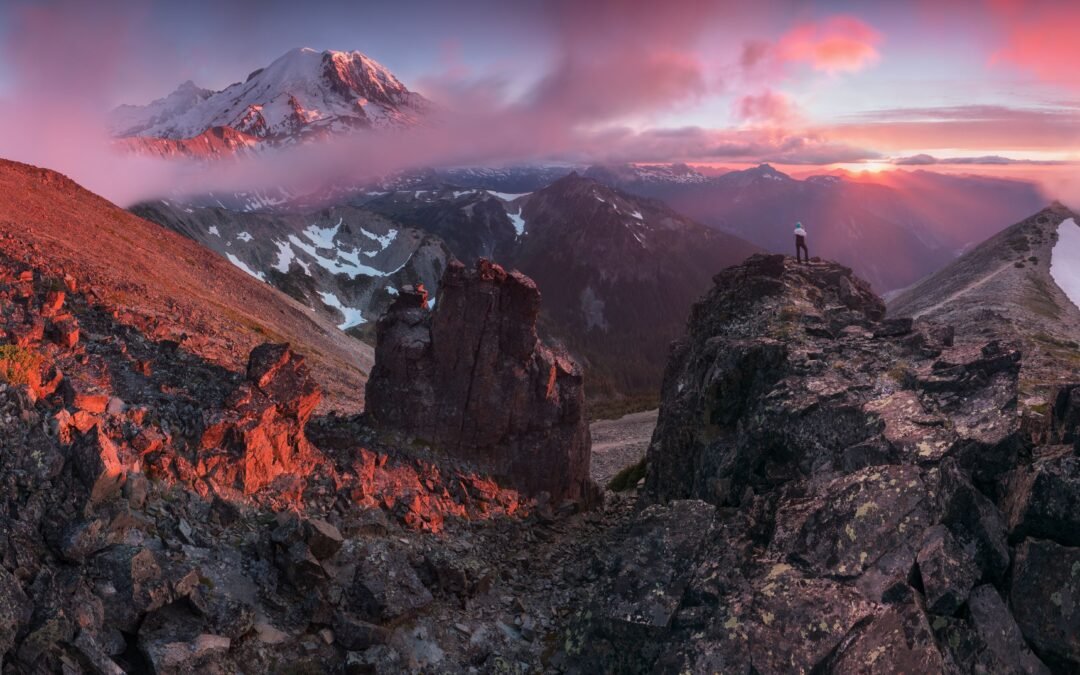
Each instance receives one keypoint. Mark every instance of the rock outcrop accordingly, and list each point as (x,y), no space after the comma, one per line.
(472,379)
(260,434)
(845,493)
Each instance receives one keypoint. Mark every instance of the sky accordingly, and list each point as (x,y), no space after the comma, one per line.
(972,86)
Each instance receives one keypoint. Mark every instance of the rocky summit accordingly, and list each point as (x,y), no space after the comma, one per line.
(833,491)
(473,379)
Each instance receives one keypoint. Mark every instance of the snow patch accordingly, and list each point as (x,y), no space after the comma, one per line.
(353,317)
(322,237)
(518,222)
(1065,260)
(382,240)
(637,214)
(285,256)
(507,196)
(214,231)
(390,290)
(244,236)
(346,262)
(240,263)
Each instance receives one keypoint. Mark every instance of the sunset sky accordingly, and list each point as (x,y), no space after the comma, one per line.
(856,85)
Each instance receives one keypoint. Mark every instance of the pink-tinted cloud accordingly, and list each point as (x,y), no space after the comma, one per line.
(1040,37)
(974,127)
(620,59)
(769,108)
(839,44)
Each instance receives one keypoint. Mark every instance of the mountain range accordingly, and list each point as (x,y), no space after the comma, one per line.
(617,272)
(892,230)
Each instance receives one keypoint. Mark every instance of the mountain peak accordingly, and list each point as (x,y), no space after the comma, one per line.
(303,93)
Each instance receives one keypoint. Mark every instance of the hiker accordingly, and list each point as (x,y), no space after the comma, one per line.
(800,243)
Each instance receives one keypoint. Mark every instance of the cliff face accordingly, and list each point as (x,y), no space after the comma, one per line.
(837,492)
(762,325)
(472,379)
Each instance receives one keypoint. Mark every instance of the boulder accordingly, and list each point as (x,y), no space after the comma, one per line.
(260,434)
(946,570)
(974,521)
(185,656)
(1065,415)
(853,520)
(1004,649)
(356,634)
(385,587)
(322,538)
(472,379)
(130,583)
(898,641)
(15,610)
(97,461)
(1045,600)
(1044,499)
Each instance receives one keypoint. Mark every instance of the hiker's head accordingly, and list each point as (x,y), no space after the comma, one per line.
(799,225)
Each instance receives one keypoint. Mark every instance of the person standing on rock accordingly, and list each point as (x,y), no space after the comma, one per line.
(800,243)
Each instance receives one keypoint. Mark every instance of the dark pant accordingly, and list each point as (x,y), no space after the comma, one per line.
(800,246)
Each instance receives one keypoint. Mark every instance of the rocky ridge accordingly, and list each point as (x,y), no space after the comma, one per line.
(836,491)
(1002,289)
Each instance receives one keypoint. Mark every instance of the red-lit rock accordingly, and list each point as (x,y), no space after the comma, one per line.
(64,330)
(260,435)
(54,302)
(473,379)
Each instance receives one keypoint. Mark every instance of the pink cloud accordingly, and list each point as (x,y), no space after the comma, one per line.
(838,44)
(970,127)
(1040,37)
(767,108)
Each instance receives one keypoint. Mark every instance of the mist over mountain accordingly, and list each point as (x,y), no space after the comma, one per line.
(892,232)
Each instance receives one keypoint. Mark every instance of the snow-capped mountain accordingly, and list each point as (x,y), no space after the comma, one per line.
(131,120)
(302,93)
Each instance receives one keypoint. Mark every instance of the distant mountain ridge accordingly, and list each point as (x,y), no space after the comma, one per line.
(892,232)
(302,94)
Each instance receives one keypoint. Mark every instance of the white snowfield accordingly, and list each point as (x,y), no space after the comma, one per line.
(1065,260)
(335,90)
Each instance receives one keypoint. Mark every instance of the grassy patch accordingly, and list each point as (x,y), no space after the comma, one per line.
(1039,300)
(18,364)
(628,477)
